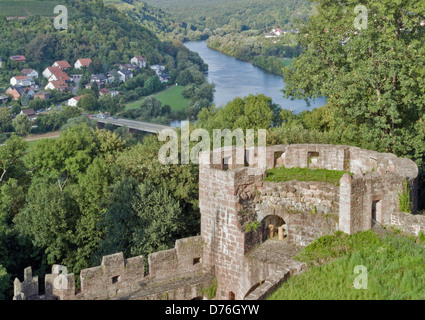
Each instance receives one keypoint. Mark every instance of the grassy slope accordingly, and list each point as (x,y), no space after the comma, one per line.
(395,266)
(171,96)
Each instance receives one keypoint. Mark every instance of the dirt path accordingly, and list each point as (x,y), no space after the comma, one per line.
(49,135)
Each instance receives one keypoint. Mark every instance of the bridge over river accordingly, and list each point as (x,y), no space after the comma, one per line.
(132,124)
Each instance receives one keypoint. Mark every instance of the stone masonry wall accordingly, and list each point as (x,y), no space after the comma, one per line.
(310,209)
(407,223)
(117,277)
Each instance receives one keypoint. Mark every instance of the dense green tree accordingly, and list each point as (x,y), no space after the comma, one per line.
(5,280)
(144,219)
(38,104)
(252,112)
(373,77)
(49,219)
(153,84)
(111,105)
(77,121)
(16,108)
(89,103)
(5,119)
(151,108)
(22,124)
(95,90)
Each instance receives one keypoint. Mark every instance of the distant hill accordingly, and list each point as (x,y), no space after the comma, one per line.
(97,31)
(250,14)
(153,18)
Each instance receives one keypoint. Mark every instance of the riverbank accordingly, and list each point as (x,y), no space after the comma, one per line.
(268,54)
(235,78)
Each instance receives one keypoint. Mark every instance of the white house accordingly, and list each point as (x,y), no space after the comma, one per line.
(125,75)
(29,73)
(82,63)
(48,72)
(20,81)
(63,65)
(114,93)
(59,76)
(56,85)
(139,61)
(158,69)
(73,102)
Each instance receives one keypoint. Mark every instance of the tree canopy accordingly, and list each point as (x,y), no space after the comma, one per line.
(373,77)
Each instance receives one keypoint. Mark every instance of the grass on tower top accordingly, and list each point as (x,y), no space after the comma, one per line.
(304,174)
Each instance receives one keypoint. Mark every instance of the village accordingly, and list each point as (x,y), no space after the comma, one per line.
(64,78)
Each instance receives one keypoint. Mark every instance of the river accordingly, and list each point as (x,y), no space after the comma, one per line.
(235,78)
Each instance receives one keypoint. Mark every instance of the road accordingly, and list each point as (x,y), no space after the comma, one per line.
(132,124)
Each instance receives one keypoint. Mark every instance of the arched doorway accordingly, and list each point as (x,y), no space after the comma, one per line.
(274,227)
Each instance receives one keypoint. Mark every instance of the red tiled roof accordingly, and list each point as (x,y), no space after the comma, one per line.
(59,74)
(62,76)
(20,77)
(54,70)
(59,84)
(63,64)
(78,98)
(85,62)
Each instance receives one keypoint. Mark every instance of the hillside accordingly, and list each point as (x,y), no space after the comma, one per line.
(148,16)
(96,31)
(251,14)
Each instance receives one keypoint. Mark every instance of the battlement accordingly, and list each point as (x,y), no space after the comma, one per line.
(118,277)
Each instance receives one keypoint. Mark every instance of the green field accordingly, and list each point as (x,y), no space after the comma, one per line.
(171,96)
(395,269)
(19,8)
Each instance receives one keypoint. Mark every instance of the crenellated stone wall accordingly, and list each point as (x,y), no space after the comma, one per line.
(176,273)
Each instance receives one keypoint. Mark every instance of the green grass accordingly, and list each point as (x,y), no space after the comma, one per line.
(171,96)
(15,8)
(304,174)
(395,269)
(174,98)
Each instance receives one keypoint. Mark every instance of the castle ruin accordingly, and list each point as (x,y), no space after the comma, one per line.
(251,228)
